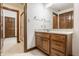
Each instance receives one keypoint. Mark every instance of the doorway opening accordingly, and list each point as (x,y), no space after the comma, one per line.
(12,42)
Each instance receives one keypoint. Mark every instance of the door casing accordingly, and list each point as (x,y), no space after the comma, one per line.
(17,11)
(25,27)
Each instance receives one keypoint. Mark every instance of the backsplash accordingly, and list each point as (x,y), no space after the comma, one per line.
(62,30)
(39,23)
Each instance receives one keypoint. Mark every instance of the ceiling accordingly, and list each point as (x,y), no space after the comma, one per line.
(61,6)
(21,5)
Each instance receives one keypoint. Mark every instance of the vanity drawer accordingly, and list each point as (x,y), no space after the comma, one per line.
(58,46)
(60,38)
(45,35)
(56,53)
(38,34)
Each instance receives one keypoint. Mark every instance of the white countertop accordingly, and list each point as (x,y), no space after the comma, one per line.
(61,32)
(67,32)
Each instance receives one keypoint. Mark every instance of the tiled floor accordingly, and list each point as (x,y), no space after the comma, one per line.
(12,48)
(31,53)
(9,42)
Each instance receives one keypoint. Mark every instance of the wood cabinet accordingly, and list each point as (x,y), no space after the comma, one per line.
(58,44)
(45,45)
(42,42)
(39,45)
(61,45)
(54,44)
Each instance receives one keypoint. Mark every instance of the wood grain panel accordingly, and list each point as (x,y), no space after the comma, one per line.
(66,20)
(59,38)
(59,46)
(55,45)
(55,22)
(61,21)
(9,27)
(56,53)
(46,45)
(39,45)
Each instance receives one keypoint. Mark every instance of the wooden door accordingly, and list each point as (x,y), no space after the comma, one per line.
(9,27)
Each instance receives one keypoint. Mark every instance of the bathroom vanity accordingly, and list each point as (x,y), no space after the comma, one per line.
(54,43)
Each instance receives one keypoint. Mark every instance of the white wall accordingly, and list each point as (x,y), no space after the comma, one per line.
(9,13)
(38,17)
(75,43)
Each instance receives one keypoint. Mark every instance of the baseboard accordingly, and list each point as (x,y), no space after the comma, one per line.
(31,49)
(35,48)
(43,52)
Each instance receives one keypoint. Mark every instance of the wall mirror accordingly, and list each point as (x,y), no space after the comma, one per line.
(62,15)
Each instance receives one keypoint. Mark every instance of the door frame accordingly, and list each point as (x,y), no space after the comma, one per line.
(0,28)
(17,11)
(25,27)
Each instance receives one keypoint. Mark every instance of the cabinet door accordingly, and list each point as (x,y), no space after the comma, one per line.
(45,45)
(38,42)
